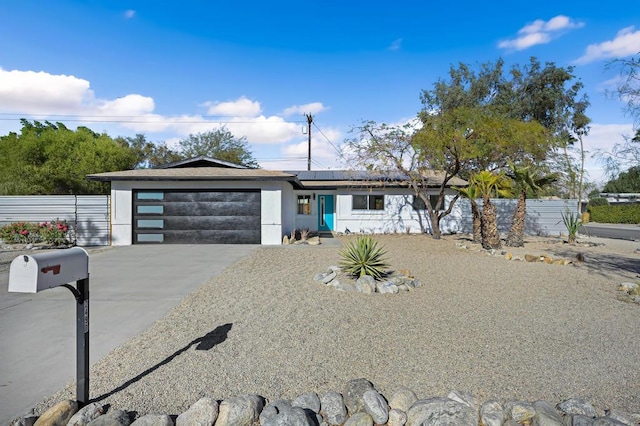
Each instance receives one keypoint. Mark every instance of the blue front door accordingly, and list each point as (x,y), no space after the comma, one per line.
(325,212)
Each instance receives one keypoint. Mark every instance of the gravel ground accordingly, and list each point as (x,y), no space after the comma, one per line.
(497,328)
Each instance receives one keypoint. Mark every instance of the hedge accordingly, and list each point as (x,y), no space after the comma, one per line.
(620,213)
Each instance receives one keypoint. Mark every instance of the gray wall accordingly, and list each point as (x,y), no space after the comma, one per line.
(544,217)
(88,215)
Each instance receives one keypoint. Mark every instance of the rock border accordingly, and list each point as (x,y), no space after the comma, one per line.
(366,284)
(360,404)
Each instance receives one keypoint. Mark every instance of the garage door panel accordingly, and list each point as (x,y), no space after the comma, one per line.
(218,196)
(223,208)
(212,237)
(205,223)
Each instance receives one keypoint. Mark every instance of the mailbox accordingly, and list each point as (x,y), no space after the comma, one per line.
(58,268)
(37,272)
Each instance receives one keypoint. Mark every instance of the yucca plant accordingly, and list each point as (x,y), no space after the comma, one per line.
(572,222)
(363,256)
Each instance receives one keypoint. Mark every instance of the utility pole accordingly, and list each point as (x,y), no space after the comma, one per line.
(309,121)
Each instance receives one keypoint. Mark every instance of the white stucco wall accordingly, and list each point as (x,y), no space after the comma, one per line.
(398,215)
(271,205)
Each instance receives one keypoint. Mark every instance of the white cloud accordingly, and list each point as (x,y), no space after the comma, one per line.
(311,108)
(240,107)
(540,32)
(41,95)
(626,43)
(395,45)
(129,14)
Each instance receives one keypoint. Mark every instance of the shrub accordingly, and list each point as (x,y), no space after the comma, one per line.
(620,213)
(598,201)
(55,232)
(20,233)
(363,256)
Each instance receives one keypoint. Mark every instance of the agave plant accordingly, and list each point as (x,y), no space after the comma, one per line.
(363,256)
(572,222)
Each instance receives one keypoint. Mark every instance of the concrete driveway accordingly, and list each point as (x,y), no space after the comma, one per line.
(130,288)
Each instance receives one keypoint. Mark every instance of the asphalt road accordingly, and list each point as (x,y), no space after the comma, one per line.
(130,287)
(606,230)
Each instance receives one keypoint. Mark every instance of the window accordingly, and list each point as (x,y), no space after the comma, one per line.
(304,204)
(367,202)
(418,203)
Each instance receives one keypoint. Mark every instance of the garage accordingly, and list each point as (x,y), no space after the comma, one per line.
(196,216)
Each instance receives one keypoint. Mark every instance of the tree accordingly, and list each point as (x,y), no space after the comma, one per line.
(471,193)
(488,185)
(628,181)
(220,144)
(392,150)
(625,154)
(149,154)
(47,158)
(526,179)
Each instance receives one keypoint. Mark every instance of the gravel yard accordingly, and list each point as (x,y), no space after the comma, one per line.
(496,328)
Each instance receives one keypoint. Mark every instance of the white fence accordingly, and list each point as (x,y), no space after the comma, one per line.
(88,215)
(544,217)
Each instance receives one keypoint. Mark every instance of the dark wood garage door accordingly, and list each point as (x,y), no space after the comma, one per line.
(196,217)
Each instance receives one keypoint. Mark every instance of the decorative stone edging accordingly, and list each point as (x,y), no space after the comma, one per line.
(359,405)
(366,284)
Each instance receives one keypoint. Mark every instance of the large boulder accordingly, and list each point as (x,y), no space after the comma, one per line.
(354,392)
(376,406)
(153,420)
(59,414)
(240,411)
(333,408)
(86,414)
(112,418)
(310,401)
(403,399)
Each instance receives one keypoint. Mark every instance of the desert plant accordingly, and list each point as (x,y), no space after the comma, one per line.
(363,256)
(304,234)
(572,223)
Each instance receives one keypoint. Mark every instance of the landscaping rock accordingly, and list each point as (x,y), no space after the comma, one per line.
(112,418)
(578,420)
(329,277)
(354,394)
(620,416)
(606,421)
(240,411)
(386,287)
(492,413)
(465,398)
(440,412)
(59,414)
(319,277)
(546,415)
(289,416)
(376,406)
(577,406)
(531,258)
(309,401)
(631,289)
(366,284)
(346,287)
(520,411)
(314,241)
(397,417)
(359,419)
(203,412)
(403,399)
(153,420)
(86,414)
(333,408)
(272,409)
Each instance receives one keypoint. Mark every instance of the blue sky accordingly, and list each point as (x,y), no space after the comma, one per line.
(174,68)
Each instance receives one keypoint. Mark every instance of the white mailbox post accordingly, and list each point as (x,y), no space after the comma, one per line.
(58,268)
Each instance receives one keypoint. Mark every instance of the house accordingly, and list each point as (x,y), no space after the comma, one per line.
(208,201)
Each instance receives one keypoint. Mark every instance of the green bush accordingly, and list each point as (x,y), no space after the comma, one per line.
(362,256)
(619,213)
(598,201)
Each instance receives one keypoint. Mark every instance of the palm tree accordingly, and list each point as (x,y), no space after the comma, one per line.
(471,193)
(526,179)
(489,184)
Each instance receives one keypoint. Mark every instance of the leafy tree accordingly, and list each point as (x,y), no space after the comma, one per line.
(527,179)
(628,181)
(220,144)
(47,158)
(149,154)
(391,150)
